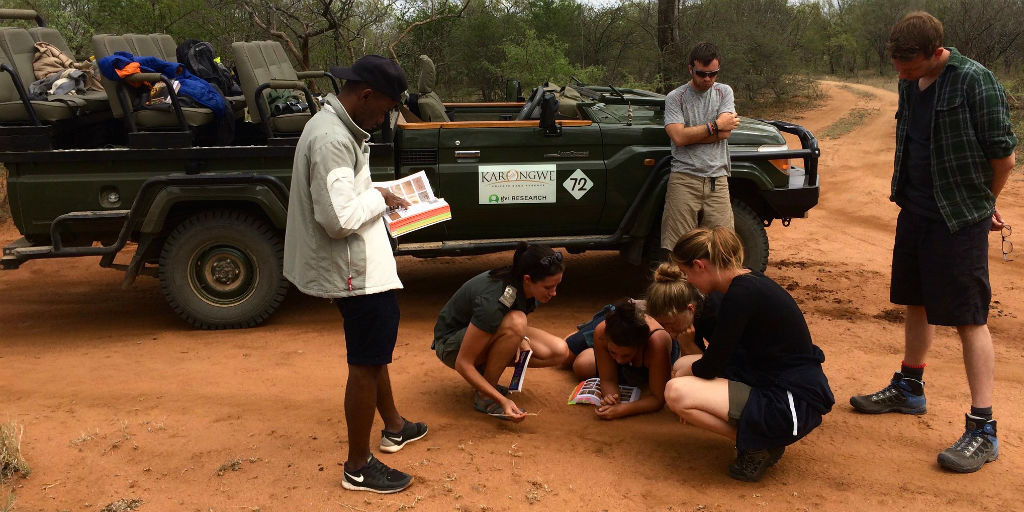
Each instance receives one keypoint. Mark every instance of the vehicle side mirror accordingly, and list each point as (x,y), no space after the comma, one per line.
(548,110)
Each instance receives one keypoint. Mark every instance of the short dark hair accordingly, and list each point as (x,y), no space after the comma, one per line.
(704,52)
(917,34)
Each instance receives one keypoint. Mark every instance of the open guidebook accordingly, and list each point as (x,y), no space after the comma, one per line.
(424,209)
(589,392)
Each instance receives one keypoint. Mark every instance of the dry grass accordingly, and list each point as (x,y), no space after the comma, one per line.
(231,465)
(11,460)
(803,94)
(858,92)
(848,123)
(9,507)
(889,82)
(123,505)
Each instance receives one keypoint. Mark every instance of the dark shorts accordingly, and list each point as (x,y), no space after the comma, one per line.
(583,338)
(447,347)
(945,272)
(371,327)
(739,393)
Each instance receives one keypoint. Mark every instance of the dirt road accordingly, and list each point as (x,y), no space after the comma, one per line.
(120,400)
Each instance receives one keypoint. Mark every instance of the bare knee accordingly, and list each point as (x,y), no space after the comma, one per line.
(680,394)
(561,352)
(973,333)
(584,366)
(675,394)
(514,324)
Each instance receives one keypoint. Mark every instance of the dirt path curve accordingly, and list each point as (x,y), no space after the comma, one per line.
(120,400)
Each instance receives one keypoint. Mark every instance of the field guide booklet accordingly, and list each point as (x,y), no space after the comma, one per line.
(589,392)
(519,371)
(424,209)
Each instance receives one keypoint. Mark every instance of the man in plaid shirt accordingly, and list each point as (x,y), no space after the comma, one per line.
(954,153)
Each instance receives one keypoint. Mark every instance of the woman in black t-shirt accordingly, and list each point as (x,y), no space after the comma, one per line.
(483,327)
(760,380)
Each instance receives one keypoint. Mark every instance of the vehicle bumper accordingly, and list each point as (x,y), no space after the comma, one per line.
(788,203)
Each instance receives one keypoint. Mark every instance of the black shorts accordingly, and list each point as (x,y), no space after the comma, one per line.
(371,327)
(945,272)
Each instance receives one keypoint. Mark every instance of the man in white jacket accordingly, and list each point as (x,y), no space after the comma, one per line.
(336,246)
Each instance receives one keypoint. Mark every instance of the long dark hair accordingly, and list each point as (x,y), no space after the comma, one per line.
(626,325)
(534,260)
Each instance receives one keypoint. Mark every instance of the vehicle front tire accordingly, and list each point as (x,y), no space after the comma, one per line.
(222,269)
(750,229)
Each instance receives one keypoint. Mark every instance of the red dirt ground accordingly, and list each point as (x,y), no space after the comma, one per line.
(120,399)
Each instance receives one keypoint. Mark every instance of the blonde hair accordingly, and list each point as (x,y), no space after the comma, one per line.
(720,246)
(670,292)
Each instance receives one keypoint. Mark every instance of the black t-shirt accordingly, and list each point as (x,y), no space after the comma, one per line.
(704,323)
(917,192)
(760,333)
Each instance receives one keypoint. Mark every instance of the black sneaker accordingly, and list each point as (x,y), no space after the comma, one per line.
(377,477)
(898,396)
(977,446)
(391,442)
(750,465)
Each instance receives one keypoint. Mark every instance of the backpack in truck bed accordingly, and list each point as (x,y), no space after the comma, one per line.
(198,57)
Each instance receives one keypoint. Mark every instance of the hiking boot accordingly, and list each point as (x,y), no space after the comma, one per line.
(977,446)
(391,442)
(377,477)
(898,396)
(750,465)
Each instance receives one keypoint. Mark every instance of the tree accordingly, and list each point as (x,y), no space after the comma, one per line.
(666,35)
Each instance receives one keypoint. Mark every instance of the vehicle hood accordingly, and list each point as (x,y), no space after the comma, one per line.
(752,132)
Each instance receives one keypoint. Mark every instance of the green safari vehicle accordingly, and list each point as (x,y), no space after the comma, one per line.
(208,220)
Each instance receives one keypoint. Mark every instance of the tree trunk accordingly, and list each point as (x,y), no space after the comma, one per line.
(666,38)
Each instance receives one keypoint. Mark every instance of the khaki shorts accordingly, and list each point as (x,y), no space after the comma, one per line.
(738,395)
(686,197)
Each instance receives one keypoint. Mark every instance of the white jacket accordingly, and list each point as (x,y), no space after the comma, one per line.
(336,244)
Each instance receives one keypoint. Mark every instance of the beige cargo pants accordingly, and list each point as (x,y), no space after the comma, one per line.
(686,196)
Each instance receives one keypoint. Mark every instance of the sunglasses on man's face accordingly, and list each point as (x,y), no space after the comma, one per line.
(706,74)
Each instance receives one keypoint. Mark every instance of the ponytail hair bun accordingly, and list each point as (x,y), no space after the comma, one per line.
(668,273)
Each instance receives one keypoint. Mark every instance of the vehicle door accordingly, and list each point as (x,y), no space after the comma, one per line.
(511,180)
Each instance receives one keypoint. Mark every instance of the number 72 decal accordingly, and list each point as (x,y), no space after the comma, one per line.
(578,184)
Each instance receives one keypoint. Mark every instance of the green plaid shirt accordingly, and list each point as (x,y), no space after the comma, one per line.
(970,126)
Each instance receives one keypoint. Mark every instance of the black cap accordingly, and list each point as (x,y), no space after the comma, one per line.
(383,75)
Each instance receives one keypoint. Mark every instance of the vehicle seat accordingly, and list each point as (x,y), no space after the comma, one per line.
(567,100)
(96,101)
(153,45)
(264,67)
(431,108)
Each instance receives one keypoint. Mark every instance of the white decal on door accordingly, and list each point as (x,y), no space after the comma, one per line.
(578,184)
(511,184)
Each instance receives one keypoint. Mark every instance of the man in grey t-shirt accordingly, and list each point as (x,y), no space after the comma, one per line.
(699,117)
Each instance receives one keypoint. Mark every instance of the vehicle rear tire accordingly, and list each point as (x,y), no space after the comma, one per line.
(222,269)
(750,228)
